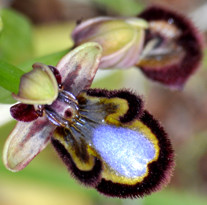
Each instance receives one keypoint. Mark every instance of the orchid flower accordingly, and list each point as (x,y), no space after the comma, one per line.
(165,45)
(107,139)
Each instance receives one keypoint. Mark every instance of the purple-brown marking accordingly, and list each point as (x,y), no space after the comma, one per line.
(56,74)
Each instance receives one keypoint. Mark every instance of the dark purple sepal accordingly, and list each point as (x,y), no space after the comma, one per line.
(23,112)
(135,102)
(190,40)
(88,178)
(56,74)
(159,172)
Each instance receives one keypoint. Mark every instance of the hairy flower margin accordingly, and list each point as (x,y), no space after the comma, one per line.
(107,139)
(163,44)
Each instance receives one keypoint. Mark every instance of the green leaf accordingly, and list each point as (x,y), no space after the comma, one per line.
(16,37)
(10,77)
(5,96)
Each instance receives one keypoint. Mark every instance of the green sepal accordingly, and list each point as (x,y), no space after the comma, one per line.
(39,86)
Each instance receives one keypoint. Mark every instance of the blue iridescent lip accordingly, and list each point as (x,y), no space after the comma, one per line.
(127,152)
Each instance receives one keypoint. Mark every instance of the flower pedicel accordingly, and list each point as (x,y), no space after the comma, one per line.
(106,138)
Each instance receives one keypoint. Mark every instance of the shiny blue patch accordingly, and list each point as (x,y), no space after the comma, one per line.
(126,151)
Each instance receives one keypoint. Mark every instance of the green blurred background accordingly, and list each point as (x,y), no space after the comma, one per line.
(33,29)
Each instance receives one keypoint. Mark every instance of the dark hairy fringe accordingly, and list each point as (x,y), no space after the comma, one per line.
(135,102)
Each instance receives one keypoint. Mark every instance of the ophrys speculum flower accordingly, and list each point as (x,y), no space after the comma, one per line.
(165,45)
(106,138)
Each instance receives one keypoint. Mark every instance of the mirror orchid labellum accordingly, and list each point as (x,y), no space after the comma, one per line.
(106,138)
(165,45)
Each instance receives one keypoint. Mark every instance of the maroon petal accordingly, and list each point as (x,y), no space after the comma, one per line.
(174,68)
(56,74)
(23,112)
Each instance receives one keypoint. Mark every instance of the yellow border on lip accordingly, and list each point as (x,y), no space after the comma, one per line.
(80,164)
(111,175)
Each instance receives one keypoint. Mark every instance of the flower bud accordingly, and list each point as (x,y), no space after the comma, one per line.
(121,39)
